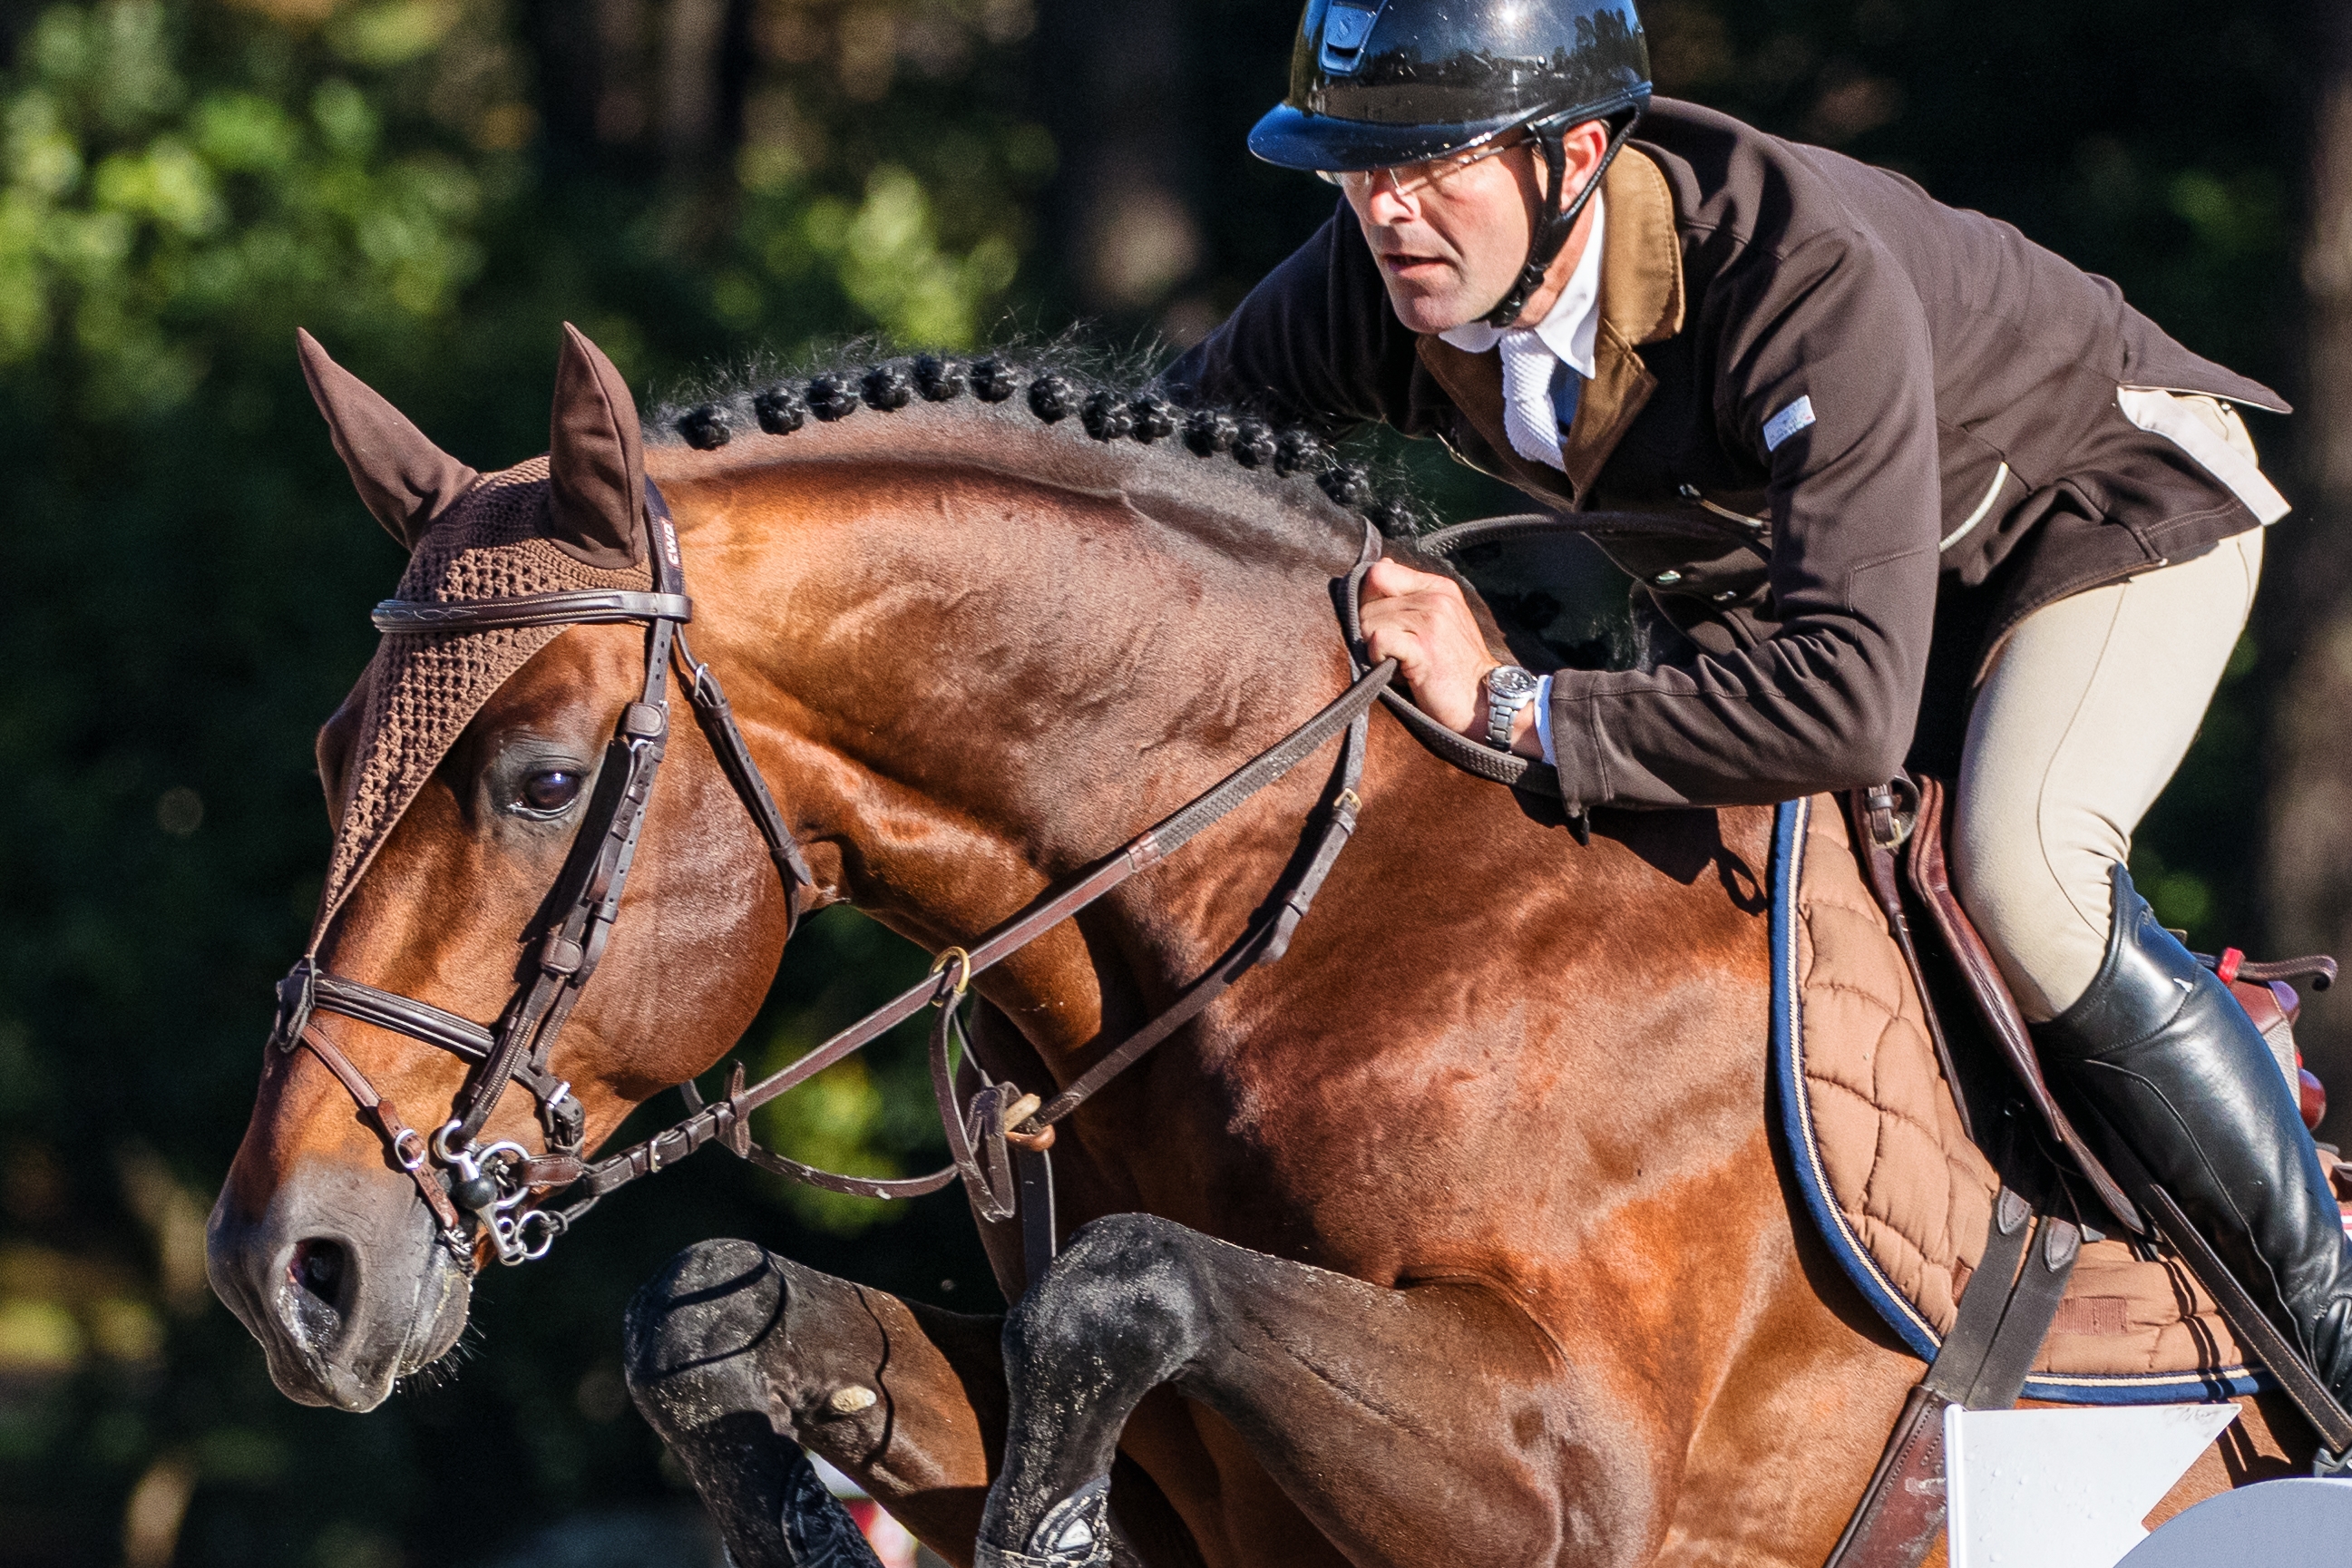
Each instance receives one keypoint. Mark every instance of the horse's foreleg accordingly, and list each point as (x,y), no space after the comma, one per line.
(1407,1425)
(739,1358)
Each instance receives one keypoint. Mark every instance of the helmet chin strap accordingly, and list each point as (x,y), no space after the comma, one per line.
(1553,227)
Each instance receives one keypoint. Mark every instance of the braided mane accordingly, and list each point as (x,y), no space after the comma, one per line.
(1054,383)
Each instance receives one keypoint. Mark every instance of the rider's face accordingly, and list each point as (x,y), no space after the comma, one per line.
(1450,248)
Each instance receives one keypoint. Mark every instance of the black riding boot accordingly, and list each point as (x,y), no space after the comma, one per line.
(2160,1052)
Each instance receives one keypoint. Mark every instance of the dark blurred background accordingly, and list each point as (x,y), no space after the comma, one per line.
(432,187)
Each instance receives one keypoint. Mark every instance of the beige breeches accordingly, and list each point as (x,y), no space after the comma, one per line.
(2086,712)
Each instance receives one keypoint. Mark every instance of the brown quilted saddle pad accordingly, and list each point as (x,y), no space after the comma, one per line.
(1902,1195)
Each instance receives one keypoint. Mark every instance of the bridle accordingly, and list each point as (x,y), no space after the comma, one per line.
(459,1177)
(491,1183)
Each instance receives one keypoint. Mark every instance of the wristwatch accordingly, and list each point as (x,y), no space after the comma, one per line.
(1509,689)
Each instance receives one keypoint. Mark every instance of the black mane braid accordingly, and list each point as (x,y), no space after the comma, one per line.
(1055,386)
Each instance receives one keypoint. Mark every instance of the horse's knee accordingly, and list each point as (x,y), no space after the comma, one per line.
(693,1333)
(1123,1310)
(699,1338)
(1126,1294)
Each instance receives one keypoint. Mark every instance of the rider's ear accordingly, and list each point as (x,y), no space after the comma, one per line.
(405,480)
(596,473)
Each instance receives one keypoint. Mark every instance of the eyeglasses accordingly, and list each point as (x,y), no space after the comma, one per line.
(1411,179)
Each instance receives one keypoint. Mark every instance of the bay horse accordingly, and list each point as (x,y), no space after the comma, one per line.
(1460,1232)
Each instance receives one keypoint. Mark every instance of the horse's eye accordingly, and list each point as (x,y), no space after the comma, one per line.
(550,790)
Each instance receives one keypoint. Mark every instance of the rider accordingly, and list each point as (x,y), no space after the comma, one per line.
(1975,510)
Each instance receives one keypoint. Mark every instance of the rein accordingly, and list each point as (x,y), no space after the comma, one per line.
(493,1183)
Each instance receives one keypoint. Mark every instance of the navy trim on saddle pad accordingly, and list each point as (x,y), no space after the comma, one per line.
(1805,1158)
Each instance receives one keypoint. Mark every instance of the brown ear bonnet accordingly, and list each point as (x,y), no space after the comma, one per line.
(573,520)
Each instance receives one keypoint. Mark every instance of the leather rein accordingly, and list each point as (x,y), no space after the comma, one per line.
(459,1177)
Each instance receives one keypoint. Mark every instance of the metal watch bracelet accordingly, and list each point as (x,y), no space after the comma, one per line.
(1509,688)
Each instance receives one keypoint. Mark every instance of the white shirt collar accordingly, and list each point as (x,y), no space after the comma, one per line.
(1574,323)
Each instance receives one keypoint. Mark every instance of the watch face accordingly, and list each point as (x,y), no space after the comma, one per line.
(1509,681)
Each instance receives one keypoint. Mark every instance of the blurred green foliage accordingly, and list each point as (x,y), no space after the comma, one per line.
(183,185)
(432,187)
(151,205)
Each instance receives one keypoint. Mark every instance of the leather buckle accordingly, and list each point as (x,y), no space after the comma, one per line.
(560,955)
(1891,811)
(644,721)
(298,994)
(564,1119)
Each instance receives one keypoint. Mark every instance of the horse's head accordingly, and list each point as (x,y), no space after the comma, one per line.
(978,645)
(477,779)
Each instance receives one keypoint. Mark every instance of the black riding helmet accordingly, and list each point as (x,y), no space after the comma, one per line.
(1375,83)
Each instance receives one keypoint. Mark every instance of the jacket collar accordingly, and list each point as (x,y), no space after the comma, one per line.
(1642,252)
(1641,302)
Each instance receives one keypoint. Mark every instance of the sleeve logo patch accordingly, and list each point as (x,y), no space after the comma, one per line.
(1787,422)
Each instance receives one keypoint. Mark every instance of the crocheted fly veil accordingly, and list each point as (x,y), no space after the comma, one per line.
(471,538)
(424,687)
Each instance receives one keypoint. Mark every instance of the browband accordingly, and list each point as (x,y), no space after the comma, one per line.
(582,607)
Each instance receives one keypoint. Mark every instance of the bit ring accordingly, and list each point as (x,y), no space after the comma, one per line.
(441,1149)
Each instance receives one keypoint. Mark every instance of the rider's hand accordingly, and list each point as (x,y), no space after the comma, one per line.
(1419,619)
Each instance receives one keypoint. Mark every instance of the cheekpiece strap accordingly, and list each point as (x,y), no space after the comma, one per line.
(661,540)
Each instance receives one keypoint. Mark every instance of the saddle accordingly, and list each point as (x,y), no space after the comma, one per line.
(1884,821)
(1950,1180)
(1943,1173)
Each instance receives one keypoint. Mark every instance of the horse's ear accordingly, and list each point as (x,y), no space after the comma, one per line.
(596,469)
(405,480)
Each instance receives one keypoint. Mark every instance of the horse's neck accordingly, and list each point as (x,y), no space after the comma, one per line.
(970,693)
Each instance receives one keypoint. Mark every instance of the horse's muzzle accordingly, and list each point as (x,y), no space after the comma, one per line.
(345,1280)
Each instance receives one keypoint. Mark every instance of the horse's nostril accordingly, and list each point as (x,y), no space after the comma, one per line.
(318,1278)
(318,1268)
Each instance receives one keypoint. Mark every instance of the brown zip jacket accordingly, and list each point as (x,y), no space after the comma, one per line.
(1964,433)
